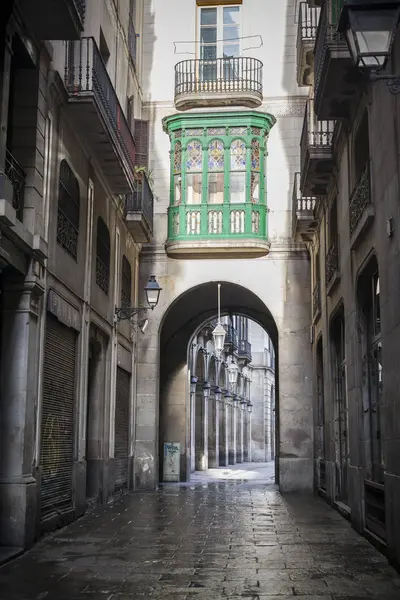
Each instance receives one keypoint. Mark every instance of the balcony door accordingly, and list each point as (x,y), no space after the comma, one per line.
(219,37)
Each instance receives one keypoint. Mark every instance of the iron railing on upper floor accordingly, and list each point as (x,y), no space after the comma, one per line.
(142,200)
(17,176)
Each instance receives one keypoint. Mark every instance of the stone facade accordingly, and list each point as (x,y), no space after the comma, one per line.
(67,370)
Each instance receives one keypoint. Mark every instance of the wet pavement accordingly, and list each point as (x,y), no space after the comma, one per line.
(227,534)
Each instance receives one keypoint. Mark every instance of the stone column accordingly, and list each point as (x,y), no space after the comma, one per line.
(5,68)
(213,433)
(18,404)
(223,434)
(249,434)
(201,432)
(245,436)
(232,437)
(239,451)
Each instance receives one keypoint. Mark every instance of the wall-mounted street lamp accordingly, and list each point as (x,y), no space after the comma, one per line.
(219,331)
(206,390)
(193,384)
(152,290)
(369,27)
(217,393)
(243,404)
(236,400)
(232,374)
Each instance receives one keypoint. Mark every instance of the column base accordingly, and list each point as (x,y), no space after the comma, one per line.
(232,457)
(18,513)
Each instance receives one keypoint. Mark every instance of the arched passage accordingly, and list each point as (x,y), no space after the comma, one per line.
(186,315)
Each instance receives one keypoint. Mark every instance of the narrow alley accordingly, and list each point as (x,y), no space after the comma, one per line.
(225,534)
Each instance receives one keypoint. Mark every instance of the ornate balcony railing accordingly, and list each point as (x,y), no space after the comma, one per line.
(327,35)
(331,262)
(244,349)
(132,40)
(219,76)
(317,300)
(360,199)
(316,135)
(307,25)
(85,76)
(142,201)
(231,338)
(17,176)
(302,206)
(208,221)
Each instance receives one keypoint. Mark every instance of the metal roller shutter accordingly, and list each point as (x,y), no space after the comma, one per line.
(121,451)
(57,427)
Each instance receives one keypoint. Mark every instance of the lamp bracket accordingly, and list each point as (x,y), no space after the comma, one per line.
(392,81)
(122,313)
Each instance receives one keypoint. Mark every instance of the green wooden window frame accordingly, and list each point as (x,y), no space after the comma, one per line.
(204,220)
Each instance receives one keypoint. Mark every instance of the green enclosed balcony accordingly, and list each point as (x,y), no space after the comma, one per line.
(218,202)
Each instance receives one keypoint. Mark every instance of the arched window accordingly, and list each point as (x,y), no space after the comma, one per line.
(255,171)
(177,173)
(238,172)
(102,256)
(215,172)
(68,210)
(194,166)
(126,284)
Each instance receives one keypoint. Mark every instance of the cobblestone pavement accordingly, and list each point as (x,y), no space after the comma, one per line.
(219,537)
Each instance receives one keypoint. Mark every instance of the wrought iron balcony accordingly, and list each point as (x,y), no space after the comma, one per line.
(219,82)
(361,211)
(244,350)
(226,230)
(132,40)
(315,153)
(139,211)
(332,267)
(65,22)
(306,33)
(336,80)
(94,105)
(316,306)
(303,216)
(231,338)
(17,176)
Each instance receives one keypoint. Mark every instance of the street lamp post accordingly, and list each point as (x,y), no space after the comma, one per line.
(206,390)
(217,393)
(152,290)
(369,27)
(219,332)
(193,384)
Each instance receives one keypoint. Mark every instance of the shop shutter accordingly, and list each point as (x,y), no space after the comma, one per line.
(142,143)
(121,452)
(57,428)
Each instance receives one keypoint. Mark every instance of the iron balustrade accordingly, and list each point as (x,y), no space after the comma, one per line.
(231,337)
(331,262)
(81,8)
(316,135)
(132,40)
(306,26)
(317,300)
(302,206)
(327,36)
(17,176)
(244,348)
(360,199)
(142,200)
(221,75)
(86,75)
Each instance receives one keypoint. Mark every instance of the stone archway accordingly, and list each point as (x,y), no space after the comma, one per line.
(167,386)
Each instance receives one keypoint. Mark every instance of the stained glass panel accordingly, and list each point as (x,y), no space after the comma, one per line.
(178,157)
(216,155)
(178,133)
(216,131)
(238,130)
(198,131)
(256,131)
(238,155)
(194,156)
(255,155)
